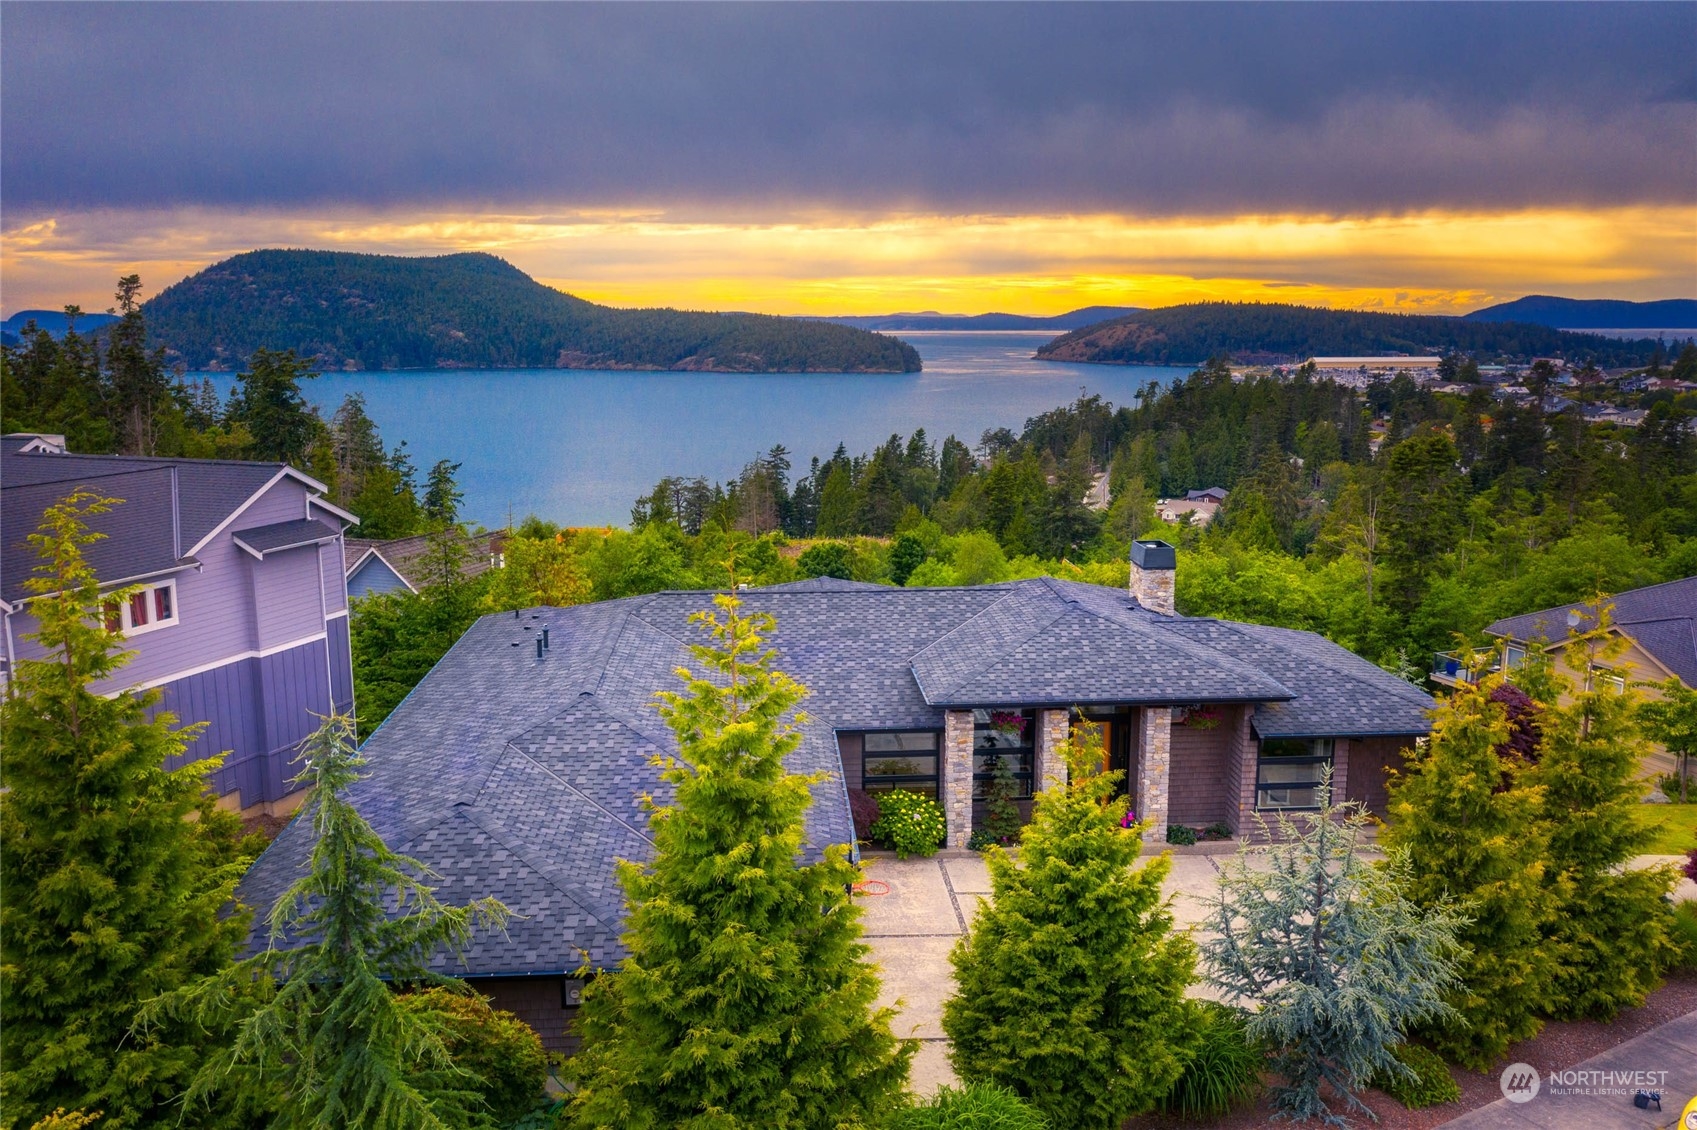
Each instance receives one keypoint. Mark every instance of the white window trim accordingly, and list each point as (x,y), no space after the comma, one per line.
(171,621)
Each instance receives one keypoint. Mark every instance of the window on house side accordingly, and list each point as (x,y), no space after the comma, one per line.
(1003,735)
(1289,771)
(148,608)
(900,760)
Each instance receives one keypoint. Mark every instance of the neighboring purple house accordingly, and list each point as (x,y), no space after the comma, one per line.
(240,613)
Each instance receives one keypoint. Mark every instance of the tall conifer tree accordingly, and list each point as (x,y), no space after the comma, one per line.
(319,1029)
(746,1000)
(1070,985)
(115,870)
(1610,934)
(1476,846)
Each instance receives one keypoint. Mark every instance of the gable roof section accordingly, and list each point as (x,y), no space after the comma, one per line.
(405,556)
(370,557)
(138,537)
(1058,643)
(172,506)
(1662,618)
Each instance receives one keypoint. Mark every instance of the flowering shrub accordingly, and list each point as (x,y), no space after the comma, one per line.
(863,806)
(909,823)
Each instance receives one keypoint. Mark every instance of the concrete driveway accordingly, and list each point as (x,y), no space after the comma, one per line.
(931,901)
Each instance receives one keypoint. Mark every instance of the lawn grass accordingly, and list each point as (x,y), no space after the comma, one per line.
(1675,826)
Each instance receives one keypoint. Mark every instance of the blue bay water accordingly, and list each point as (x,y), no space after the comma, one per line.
(578,447)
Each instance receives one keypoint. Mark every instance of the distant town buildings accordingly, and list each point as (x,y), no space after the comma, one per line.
(1198,507)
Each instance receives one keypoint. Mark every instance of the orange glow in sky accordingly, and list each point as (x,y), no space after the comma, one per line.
(1432,262)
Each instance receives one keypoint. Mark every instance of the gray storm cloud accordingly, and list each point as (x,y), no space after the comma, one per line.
(1145,108)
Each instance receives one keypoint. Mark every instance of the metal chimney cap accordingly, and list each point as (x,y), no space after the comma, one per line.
(1153,554)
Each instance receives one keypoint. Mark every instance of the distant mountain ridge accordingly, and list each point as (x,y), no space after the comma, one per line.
(1271,333)
(54,322)
(1593,313)
(928,320)
(473,310)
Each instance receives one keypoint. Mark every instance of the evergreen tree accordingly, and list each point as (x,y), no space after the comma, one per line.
(1476,845)
(906,555)
(1070,985)
(442,493)
(1610,933)
(139,384)
(1335,961)
(115,870)
(1420,514)
(836,502)
(317,1023)
(746,1000)
(1671,719)
(268,401)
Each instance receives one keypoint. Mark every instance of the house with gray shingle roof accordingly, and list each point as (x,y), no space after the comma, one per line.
(237,609)
(516,768)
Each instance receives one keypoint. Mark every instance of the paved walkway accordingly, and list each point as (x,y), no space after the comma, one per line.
(930,902)
(1668,1054)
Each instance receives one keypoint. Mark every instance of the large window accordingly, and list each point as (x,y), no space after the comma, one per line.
(1289,772)
(147,608)
(901,760)
(1002,735)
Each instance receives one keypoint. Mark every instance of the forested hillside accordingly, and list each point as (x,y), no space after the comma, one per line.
(1257,333)
(1592,313)
(346,311)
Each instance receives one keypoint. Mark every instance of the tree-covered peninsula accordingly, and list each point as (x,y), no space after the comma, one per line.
(347,311)
(1271,333)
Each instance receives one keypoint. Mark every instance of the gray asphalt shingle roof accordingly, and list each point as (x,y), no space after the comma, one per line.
(143,535)
(519,778)
(1662,618)
(285,535)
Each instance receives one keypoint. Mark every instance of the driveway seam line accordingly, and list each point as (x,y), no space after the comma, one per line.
(953,901)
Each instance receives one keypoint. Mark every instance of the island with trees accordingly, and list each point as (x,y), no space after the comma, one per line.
(473,311)
(1274,333)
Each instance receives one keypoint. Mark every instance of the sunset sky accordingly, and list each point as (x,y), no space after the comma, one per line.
(866,159)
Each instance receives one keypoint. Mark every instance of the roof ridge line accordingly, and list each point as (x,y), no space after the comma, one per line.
(518,847)
(597,805)
(987,664)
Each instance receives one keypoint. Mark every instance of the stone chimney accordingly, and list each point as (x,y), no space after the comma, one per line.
(1152,566)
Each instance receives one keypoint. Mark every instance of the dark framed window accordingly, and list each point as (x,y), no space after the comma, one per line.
(1289,771)
(904,759)
(1003,735)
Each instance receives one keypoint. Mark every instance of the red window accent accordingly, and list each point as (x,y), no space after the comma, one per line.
(162,602)
(114,616)
(138,609)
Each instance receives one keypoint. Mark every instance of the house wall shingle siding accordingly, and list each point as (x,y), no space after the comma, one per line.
(957,776)
(373,576)
(852,749)
(1369,761)
(1200,762)
(538,1002)
(341,663)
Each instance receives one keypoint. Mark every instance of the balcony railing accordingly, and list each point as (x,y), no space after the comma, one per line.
(1456,668)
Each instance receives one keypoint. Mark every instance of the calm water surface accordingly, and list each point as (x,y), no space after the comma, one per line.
(579,447)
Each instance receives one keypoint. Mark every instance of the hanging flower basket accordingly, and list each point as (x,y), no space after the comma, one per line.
(1009,722)
(1201,718)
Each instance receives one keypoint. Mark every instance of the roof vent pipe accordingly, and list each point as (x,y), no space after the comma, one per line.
(545,642)
(539,647)
(1153,564)
(515,614)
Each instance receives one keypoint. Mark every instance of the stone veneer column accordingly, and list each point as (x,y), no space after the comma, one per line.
(957,776)
(1051,767)
(1154,759)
